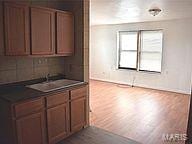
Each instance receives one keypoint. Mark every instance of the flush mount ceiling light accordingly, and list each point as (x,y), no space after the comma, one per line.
(154,11)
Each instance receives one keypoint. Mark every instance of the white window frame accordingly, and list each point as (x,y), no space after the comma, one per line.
(138,51)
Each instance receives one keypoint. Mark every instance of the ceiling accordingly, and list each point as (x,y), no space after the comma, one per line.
(129,11)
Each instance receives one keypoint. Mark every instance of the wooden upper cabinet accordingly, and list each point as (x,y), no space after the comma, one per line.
(16,19)
(37,30)
(65,33)
(42,31)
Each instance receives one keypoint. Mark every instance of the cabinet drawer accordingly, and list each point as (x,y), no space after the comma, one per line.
(28,107)
(77,93)
(57,99)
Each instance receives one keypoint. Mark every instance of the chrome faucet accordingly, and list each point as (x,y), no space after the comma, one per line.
(47,77)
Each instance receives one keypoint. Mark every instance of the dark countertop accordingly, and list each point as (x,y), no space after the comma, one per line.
(17,92)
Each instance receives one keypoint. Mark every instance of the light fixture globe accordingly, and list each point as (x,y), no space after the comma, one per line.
(154,11)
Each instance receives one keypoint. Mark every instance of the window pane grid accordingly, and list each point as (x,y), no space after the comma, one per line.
(141,50)
(151,51)
(128,50)
(127,59)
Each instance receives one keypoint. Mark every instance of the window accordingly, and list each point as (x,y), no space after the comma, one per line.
(128,50)
(140,50)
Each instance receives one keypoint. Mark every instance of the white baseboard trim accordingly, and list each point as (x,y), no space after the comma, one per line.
(124,83)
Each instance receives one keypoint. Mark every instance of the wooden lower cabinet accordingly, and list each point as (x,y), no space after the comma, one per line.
(31,129)
(78,114)
(58,122)
(45,120)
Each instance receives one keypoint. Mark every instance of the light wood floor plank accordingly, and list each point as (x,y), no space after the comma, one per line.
(138,113)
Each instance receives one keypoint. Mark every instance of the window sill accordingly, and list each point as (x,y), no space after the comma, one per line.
(139,71)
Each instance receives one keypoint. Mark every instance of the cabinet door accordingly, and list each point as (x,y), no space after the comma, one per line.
(16,29)
(78,114)
(42,31)
(65,33)
(31,129)
(58,122)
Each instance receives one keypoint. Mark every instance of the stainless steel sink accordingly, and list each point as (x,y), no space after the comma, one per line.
(54,85)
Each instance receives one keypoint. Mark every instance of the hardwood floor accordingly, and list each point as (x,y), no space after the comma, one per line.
(138,113)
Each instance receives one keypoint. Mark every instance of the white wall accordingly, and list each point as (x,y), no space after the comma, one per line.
(177,56)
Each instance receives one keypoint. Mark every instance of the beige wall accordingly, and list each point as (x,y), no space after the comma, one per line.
(14,69)
(86,52)
(86,40)
(76,67)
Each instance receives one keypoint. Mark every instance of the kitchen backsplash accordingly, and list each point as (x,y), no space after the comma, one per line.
(14,69)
